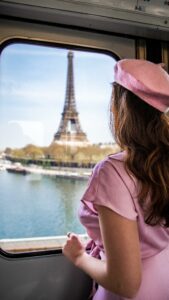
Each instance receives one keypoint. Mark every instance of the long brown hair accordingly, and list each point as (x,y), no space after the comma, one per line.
(143,132)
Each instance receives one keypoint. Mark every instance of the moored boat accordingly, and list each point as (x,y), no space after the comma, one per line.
(17,169)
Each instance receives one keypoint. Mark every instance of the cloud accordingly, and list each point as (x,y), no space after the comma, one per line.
(32,131)
(35,91)
(13,136)
(32,50)
(36,50)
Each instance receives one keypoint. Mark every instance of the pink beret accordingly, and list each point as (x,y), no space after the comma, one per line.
(147,80)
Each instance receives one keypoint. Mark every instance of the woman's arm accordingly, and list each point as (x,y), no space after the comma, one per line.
(121,272)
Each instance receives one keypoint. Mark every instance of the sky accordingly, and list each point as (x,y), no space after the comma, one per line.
(32,93)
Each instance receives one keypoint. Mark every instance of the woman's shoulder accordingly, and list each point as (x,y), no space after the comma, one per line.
(112,159)
(110,163)
(114,165)
(120,156)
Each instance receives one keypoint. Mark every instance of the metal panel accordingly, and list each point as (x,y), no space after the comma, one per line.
(121,47)
(152,7)
(155,7)
(140,18)
(50,277)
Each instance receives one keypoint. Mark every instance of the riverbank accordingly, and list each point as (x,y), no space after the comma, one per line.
(65,172)
(60,172)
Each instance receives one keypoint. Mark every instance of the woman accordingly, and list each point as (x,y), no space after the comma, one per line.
(125,208)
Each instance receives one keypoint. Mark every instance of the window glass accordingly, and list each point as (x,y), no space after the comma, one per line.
(54,115)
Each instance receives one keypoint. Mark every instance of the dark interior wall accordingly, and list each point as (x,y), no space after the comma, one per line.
(154,50)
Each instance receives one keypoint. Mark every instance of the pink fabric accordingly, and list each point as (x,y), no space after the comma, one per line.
(112,187)
(147,80)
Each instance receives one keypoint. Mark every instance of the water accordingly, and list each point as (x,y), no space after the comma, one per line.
(36,207)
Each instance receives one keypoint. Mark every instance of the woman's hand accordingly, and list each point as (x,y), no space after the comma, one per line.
(74,250)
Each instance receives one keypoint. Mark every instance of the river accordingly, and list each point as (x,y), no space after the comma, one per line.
(39,206)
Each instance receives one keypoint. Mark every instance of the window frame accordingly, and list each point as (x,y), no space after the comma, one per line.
(53,36)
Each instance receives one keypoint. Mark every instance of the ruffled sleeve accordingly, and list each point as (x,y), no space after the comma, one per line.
(107,188)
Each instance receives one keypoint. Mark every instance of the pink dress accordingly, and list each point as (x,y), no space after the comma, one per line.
(112,187)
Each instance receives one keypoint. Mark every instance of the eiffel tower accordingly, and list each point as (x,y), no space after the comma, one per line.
(69,130)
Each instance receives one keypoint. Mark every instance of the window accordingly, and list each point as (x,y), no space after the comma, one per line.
(54,114)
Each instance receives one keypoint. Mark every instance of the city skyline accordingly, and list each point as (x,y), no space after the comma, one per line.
(32,93)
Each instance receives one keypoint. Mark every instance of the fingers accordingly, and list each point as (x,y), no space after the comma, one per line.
(73,247)
(72,235)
